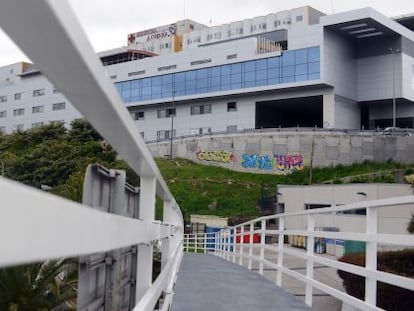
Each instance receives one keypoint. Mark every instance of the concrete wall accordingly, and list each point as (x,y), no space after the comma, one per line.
(284,152)
(392,220)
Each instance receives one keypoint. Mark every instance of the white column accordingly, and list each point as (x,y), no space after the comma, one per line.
(166,243)
(241,245)
(329,110)
(371,257)
(249,266)
(280,252)
(262,245)
(309,262)
(145,252)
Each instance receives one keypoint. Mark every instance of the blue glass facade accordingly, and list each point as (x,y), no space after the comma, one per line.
(291,66)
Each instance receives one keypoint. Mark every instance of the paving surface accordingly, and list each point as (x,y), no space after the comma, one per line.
(209,283)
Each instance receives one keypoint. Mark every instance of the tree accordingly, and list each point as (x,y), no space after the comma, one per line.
(51,285)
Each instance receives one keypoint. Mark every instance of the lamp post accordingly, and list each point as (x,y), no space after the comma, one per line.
(393,52)
(172,118)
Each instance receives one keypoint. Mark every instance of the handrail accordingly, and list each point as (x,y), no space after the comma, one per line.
(57,44)
(230,244)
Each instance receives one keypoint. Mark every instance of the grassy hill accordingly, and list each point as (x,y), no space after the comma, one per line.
(201,189)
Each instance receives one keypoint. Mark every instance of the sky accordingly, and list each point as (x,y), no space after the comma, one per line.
(108,23)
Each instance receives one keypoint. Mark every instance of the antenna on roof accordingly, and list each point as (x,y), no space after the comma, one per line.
(210,21)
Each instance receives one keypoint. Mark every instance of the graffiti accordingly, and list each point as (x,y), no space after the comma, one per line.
(279,163)
(256,161)
(289,163)
(215,156)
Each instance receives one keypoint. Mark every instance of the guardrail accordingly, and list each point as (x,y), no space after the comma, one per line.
(231,244)
(199,242)
(30,218)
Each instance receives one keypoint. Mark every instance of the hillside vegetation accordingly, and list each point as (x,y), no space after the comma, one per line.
(54,156)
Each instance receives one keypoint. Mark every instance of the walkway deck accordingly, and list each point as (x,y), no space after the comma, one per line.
(209,283)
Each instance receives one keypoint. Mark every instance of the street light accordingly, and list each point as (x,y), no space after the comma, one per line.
(393,52)
(172,118)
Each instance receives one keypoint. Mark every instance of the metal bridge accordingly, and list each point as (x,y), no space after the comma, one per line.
(119,229)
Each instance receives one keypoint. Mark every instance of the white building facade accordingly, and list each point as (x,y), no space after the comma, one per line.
(287,69)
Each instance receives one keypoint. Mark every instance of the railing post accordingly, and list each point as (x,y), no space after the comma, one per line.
(186,241)
(228,244)
(280,252)
(216,243)
(145,251)
(205,243)
(166,243)
(196,242)
(309,262)
(251,229)
(262,245)
(234,244)
(241,245)
(371,256)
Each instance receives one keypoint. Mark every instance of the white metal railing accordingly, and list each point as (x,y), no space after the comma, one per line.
(237,244)
(199,242)
(50,35)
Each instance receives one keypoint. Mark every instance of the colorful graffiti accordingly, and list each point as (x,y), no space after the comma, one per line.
(280,163)
(215,156)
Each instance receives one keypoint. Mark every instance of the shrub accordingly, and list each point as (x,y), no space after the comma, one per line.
(389,297)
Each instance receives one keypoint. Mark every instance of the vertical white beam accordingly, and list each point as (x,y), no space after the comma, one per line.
(280,252)
(262,245)
(145,251)
(251,229)
(371,256)
(241,245)
(166,243)
(309,262)
(329,110)
(234,244)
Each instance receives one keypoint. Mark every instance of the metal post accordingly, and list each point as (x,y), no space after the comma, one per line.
(145,251)
(234,244)
(371,256)
(171,137)
(249,266)
(309,262)
(241,245)
(262,245)
(196,242)
(280,251)
(394,106)
(205,243)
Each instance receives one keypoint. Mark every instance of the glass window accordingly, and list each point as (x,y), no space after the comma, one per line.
(288,58)
(261,75)
(299,18)
(3,99)
(18,112)
(225,70)
(58,106)
(39,92)
(301,56)
(301,69)
(139,115)
(313,67)
(273,62)
(261,64)
(313,76)
(273,73)
(236,68)
(288,71)
(250,76)
(18,96)
(288,79)
(249,66)
(313,54)
(215,71)
(3,114)
(232,106)
(202,73)
(156,81)
(166,79)
(301,78)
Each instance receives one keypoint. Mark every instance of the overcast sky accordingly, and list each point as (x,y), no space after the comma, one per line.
(107,22)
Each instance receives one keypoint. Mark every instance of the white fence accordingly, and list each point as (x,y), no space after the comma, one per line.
(237,244)
(36,226)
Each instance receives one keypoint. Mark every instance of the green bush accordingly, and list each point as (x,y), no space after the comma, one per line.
(389,297)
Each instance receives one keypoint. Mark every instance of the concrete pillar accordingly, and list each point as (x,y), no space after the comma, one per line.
(328,110)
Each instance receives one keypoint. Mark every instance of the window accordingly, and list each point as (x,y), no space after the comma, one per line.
(232,106)
(165,113)
(201,109)
(231,128)
(39,92)
(167,67)
(3,114)
(231,56)
(139,115)
(19,127)
(135,73)
(217,35)
(37,109)
(142,134)
(299,18)
(313,206)
(58,106)
(18,96)
(209,37)
(18,112)
(164,134)
(112,77)
(287,21)
(55,91)
(3,99)
(199,62)
(37,124)
(277,23)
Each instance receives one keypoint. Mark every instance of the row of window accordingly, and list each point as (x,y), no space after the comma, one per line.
(194,110)
(20,127)
(291,66)
(166,134)
(18,95)
(35,109)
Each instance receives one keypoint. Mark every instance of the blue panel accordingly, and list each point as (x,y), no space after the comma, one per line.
(288,79)
(180,76)
(225,70)
(126,85)
(288,71)
(202,83)
(261,64)
(313,76)
(271,81)
(225,80)
(166,79)
(236,68)
(313,67)
(250,76)
(301,69)
(261,82)
(313,54)
(249,66)
(146,82)
(288,58)
(301,56)
(236,78)
(156,81)
(249,84)
(235,86)
(273,73)
(273,62)
(215,81)
(202,73)
(215,71)
(299,78)
(261,75)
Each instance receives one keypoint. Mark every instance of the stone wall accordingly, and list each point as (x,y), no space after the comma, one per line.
(284,152)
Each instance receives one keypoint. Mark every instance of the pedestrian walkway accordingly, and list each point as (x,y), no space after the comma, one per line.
(209,283)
